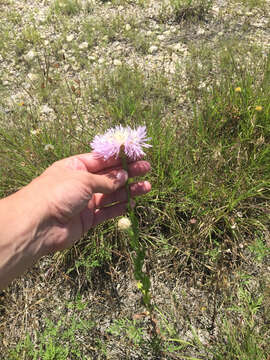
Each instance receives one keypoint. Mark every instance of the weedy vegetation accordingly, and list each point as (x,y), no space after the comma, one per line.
(205,224)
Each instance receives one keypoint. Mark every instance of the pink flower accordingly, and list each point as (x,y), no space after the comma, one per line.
(130,140)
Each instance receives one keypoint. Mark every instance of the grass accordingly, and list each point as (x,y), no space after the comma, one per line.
(185,10)
(205,224)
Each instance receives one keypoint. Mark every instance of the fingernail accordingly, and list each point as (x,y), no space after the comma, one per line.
(122,176)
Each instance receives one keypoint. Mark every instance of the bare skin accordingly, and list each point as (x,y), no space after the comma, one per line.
(57,208)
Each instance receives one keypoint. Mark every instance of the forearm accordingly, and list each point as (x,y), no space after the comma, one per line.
(20,236)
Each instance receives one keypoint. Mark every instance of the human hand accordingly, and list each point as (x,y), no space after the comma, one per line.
(59,206)
(81,192)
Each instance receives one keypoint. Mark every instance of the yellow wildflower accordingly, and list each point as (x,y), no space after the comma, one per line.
(238,89)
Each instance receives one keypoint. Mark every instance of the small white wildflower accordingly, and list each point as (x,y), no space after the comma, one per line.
(128,27)
(48,147)
(35,131)
(124,224)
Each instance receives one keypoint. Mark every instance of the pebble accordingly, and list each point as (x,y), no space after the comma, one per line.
(45,109)
(83,45)
(178,47)
(175,57)
(70,37)
(32,77)
(30,56)
(161,37)
(200,31)
(117,62)
(153,49)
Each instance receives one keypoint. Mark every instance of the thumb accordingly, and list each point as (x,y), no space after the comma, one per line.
(109,182)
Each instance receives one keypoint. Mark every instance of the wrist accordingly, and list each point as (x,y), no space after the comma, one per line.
(21,243)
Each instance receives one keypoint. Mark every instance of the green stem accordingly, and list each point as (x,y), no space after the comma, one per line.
(138,260)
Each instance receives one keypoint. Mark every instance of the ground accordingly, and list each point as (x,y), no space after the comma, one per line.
(70,69)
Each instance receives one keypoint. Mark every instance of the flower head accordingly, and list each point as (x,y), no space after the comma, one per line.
(124,224)
(48,147)
(238,89)
(258,108)
(115,140)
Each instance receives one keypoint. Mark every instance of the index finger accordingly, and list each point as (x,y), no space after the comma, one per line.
(91,162)
(95,163)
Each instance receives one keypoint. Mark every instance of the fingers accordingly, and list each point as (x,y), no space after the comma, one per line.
(107,183)
(137,168)
(136,189)
(92,163)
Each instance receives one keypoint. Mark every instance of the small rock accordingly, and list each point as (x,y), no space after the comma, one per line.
(41,16)
(180,47)
(45,109)
(117,62)
(83,45)
(200,31)
(174,57)
(127,27)
(33,77)
(30,55)
(153,49)
(161,37)
(70,37)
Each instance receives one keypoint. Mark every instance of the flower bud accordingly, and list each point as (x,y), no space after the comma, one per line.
(124,224)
